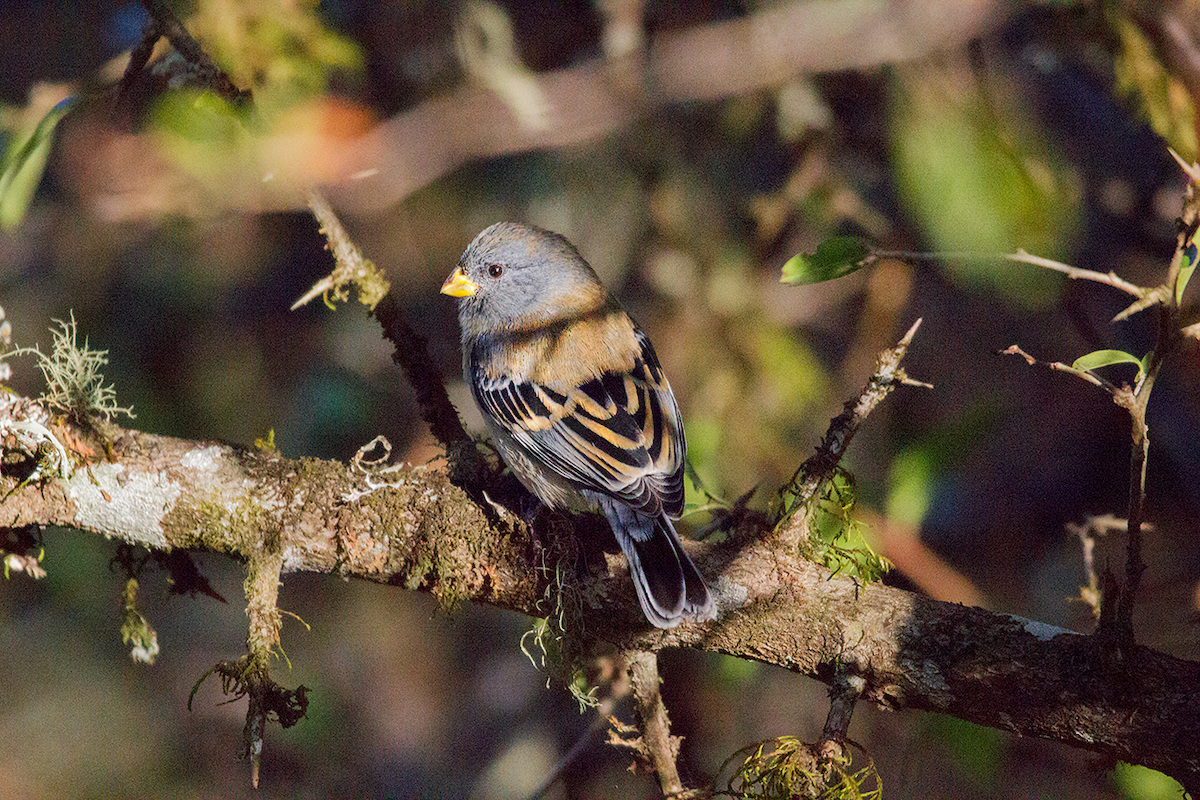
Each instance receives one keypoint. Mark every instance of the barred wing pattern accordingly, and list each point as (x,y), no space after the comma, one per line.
(618,434)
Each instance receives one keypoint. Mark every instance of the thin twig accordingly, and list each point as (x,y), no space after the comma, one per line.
(410,350)
(1134,566)
(1166,342)
(351,267)
(211,75)
(139,56)
(1091,530)
(262,596)
(1116,602)
(1058,366)
(847,687)
(1191,170)
(821,465)
(1021,257)
(1075,273)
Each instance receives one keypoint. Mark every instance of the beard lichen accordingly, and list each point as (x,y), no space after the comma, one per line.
(74,381)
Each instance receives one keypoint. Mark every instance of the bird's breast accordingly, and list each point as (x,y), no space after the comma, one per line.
(561,354)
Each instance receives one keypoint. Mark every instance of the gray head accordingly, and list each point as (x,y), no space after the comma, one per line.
(515,276)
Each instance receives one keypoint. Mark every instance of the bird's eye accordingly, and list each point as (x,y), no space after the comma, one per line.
(495,270)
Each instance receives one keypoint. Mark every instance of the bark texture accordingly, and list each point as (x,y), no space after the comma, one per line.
(412,527)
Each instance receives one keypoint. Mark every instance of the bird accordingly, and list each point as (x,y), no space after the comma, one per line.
(577,403)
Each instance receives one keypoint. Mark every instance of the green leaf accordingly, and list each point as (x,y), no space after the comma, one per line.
(1106,358)
(834,258)
(1143,783)
(22,165)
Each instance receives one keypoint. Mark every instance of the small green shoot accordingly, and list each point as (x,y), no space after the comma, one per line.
(837,541)
(266,445)
(1107,358)
(789,768)
(135,629)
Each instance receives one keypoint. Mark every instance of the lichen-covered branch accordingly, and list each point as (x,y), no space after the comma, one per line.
(415,529)
(262,596)
(411,352)
(659,747)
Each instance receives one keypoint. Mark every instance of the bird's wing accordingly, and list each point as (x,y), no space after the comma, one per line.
(618,434)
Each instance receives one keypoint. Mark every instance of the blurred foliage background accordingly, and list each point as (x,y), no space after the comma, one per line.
(180,241)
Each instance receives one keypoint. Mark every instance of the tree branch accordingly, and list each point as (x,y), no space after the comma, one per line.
(819,468)
(413,528)
(585,102)
(659,747)
(582,103)
(206,72)
(1075,273)
(411,351)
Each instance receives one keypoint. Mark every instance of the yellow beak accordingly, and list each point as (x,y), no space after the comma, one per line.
(458,285)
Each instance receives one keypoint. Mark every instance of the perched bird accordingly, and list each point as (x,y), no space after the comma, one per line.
(577,402)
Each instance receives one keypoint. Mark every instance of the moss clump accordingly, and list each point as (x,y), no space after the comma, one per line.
(787,768)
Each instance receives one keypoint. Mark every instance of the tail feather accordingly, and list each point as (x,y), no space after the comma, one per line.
(669,586)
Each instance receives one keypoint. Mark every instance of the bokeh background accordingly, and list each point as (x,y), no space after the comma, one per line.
(178,237)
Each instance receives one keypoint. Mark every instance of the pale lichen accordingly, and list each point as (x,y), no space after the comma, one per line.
(74,381)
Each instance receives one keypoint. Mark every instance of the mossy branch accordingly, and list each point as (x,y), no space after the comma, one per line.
(421,531)
(411,353)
